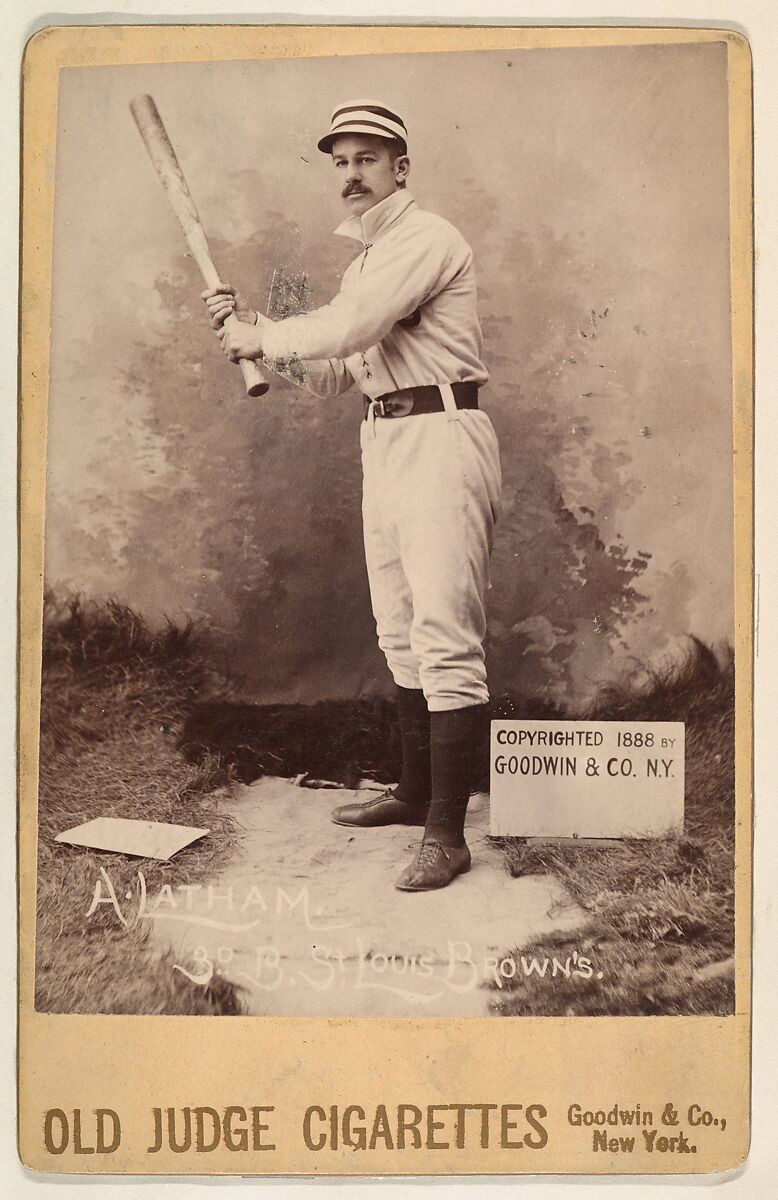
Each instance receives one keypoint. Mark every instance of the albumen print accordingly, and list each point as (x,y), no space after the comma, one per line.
(386,587)
(551,539)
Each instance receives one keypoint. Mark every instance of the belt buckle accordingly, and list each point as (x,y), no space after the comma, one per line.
(380,405)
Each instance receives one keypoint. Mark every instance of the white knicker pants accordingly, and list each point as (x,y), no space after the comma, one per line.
(431,490)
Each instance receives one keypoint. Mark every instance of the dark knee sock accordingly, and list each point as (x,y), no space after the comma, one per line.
(414,718)
(456,738)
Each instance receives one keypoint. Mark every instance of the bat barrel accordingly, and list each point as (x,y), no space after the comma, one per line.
(165,163)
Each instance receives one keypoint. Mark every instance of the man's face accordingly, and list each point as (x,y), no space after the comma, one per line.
(365,171)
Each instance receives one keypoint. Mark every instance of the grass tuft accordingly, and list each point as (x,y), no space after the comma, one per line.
(114,699)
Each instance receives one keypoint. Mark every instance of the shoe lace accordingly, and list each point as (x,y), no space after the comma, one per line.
(428,853)
(387,795)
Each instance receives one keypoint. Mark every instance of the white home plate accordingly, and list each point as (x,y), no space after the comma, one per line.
(142,839)
(307,920)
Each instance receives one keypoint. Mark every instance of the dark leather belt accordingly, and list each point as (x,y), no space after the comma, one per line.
(423,399)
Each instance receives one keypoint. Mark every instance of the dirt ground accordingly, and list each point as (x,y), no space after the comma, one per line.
(306,919)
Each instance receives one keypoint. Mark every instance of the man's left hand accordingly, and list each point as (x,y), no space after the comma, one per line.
(240,341)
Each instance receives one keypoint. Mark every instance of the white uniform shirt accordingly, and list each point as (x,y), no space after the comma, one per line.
(406,313)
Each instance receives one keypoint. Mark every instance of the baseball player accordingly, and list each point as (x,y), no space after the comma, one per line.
(404,327)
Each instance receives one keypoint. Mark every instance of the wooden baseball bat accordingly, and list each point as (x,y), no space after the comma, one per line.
(163,156)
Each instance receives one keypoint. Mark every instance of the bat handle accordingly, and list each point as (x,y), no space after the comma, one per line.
(256,384)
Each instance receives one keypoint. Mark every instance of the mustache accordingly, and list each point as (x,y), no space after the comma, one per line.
(355,190)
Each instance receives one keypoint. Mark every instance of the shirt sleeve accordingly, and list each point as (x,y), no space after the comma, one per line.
(322,377)
(375,295)
(325,377)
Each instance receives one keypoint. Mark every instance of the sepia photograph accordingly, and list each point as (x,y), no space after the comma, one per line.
(389,622)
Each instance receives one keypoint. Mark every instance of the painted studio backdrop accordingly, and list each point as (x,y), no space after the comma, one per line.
(592,185)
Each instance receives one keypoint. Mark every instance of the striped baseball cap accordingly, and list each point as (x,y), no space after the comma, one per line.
(364,116)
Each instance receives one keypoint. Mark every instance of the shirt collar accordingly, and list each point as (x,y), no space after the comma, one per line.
(376,220)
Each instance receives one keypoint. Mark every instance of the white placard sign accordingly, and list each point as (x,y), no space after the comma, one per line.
(604,779)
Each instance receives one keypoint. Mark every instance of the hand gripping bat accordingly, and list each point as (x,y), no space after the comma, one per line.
(163,156)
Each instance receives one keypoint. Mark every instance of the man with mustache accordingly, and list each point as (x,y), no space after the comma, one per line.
(404,327)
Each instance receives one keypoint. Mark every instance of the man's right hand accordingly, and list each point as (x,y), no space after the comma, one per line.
(224,300)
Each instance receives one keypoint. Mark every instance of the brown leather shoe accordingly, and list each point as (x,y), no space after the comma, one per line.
(434,867)
(385,809)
